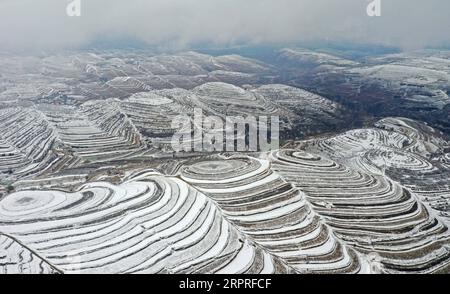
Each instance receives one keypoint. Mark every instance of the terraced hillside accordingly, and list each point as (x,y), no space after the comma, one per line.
(148,224)
(94,132)
(371,213)
(152,112)
(274,213)
(409,152)
(28,143)
(312,208)
(43,137)
(89,181)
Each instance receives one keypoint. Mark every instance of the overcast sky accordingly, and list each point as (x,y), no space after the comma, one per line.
(44,24)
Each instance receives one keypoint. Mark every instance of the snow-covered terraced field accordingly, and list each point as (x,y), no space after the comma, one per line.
(148,224)
(273,213)
(306,111)
(153,112)
(227,99)
(376,150)
(370,200)
(27,142)
(56,132)
(372,213)
(409,152)
(295,106)
(95,131)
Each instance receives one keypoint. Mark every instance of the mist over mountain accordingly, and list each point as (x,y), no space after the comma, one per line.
(182,23)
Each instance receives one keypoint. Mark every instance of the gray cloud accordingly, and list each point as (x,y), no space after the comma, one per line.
(43,24)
